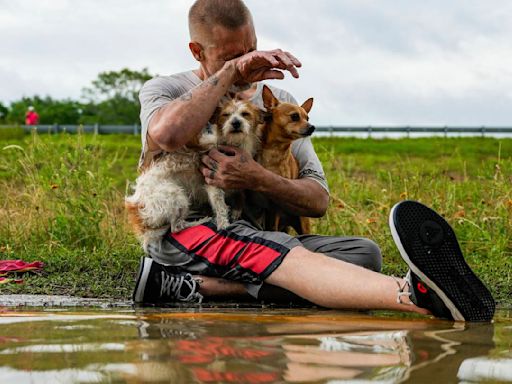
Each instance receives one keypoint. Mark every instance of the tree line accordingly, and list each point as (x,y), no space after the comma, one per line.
(112,98)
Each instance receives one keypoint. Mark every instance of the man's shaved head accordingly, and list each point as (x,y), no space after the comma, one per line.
(204,14)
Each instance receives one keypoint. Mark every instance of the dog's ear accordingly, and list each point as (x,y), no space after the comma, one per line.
(215,117)
(262,126)
(264,117)
(308,104)
(269,101)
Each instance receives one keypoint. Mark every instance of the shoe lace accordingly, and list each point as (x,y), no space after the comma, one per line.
(400,292)
(172,285)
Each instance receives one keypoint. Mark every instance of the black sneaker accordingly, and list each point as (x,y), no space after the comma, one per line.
(159,284)
(441,280)
(424,297)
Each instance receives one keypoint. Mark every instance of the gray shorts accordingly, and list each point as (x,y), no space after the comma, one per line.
(243,253)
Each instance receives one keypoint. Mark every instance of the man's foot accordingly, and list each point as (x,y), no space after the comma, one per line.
(440,279)
(159,284)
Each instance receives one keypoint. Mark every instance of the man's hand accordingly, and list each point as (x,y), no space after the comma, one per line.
(233,168)
(230,168)
(264,65)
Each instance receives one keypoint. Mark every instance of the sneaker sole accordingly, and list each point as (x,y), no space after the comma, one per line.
(142,278)
(434,255)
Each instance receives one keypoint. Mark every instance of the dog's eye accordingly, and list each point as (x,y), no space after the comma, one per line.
(246,114)
(295,117)
(225,115)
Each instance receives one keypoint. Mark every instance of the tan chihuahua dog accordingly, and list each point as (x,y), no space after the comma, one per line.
(286,122)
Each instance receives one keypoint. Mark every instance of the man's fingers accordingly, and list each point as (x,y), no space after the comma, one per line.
(284,59)
(271,58)
(289,63)
(294,60)
(216,155)
(267,63)
(210,165)
(205,171)
(273,74)
(294,72)
(205,159)
(226,150)
(209,175)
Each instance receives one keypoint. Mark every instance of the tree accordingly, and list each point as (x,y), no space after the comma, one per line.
(50,111)
(124,84)
(3,113)
(113,97)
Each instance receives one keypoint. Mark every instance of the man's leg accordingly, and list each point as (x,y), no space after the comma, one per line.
(337,284)
(355,250)
(427,243)
(439,279)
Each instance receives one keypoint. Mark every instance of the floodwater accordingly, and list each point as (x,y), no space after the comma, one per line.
(243,345)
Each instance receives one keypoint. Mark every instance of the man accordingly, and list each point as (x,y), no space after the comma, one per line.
(336,272)
(31,117)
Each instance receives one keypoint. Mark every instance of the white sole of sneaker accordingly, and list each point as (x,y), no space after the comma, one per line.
(449,304)
(142,279)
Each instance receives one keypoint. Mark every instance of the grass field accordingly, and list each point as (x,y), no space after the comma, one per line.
(61,202)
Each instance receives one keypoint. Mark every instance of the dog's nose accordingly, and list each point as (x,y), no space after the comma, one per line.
(236,124)
(311,129)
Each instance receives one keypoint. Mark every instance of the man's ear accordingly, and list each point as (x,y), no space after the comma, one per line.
(197,50)
(269,101)
(308,104)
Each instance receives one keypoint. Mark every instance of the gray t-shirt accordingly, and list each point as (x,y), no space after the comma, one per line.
(161,90)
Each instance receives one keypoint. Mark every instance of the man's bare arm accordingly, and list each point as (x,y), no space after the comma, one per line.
(301,197)
(235,169)
(178,122)
(175,124)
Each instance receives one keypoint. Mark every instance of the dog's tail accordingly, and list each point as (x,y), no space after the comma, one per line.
(132,210)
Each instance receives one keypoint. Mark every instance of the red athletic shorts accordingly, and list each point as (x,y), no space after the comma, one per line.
(240,252)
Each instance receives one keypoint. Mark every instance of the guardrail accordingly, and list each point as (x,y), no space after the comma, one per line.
(407,130)
(330,130)
(99,129)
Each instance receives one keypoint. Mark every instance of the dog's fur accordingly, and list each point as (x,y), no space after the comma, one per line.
(239,124)
(286,122)
(166,189)
(164,192)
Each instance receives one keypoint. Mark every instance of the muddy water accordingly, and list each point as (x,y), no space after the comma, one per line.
(247,346)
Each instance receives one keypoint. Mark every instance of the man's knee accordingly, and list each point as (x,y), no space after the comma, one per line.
(371,256)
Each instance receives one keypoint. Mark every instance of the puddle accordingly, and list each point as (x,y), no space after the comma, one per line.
(123,345)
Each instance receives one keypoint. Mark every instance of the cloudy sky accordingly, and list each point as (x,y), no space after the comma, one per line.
(376,62)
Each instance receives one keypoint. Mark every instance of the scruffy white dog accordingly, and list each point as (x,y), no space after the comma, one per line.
(240,124)
(166,190)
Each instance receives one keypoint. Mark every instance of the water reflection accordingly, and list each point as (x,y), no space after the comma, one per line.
(203,346)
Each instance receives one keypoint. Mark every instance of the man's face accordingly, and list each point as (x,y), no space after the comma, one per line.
(225,45)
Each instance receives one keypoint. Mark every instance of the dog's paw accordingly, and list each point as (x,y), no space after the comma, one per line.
(236,214)
(182,224)
(221,222)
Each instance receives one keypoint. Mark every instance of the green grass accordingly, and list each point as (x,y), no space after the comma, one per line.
(61,202)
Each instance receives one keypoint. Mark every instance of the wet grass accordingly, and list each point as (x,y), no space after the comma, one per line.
(61,202)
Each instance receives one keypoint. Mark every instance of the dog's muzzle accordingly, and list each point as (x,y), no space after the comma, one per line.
(309,130)
(236,126)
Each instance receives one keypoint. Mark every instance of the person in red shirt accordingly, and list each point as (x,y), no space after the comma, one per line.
(31,117)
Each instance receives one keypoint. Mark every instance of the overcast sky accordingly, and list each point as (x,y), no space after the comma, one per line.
(376,62)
